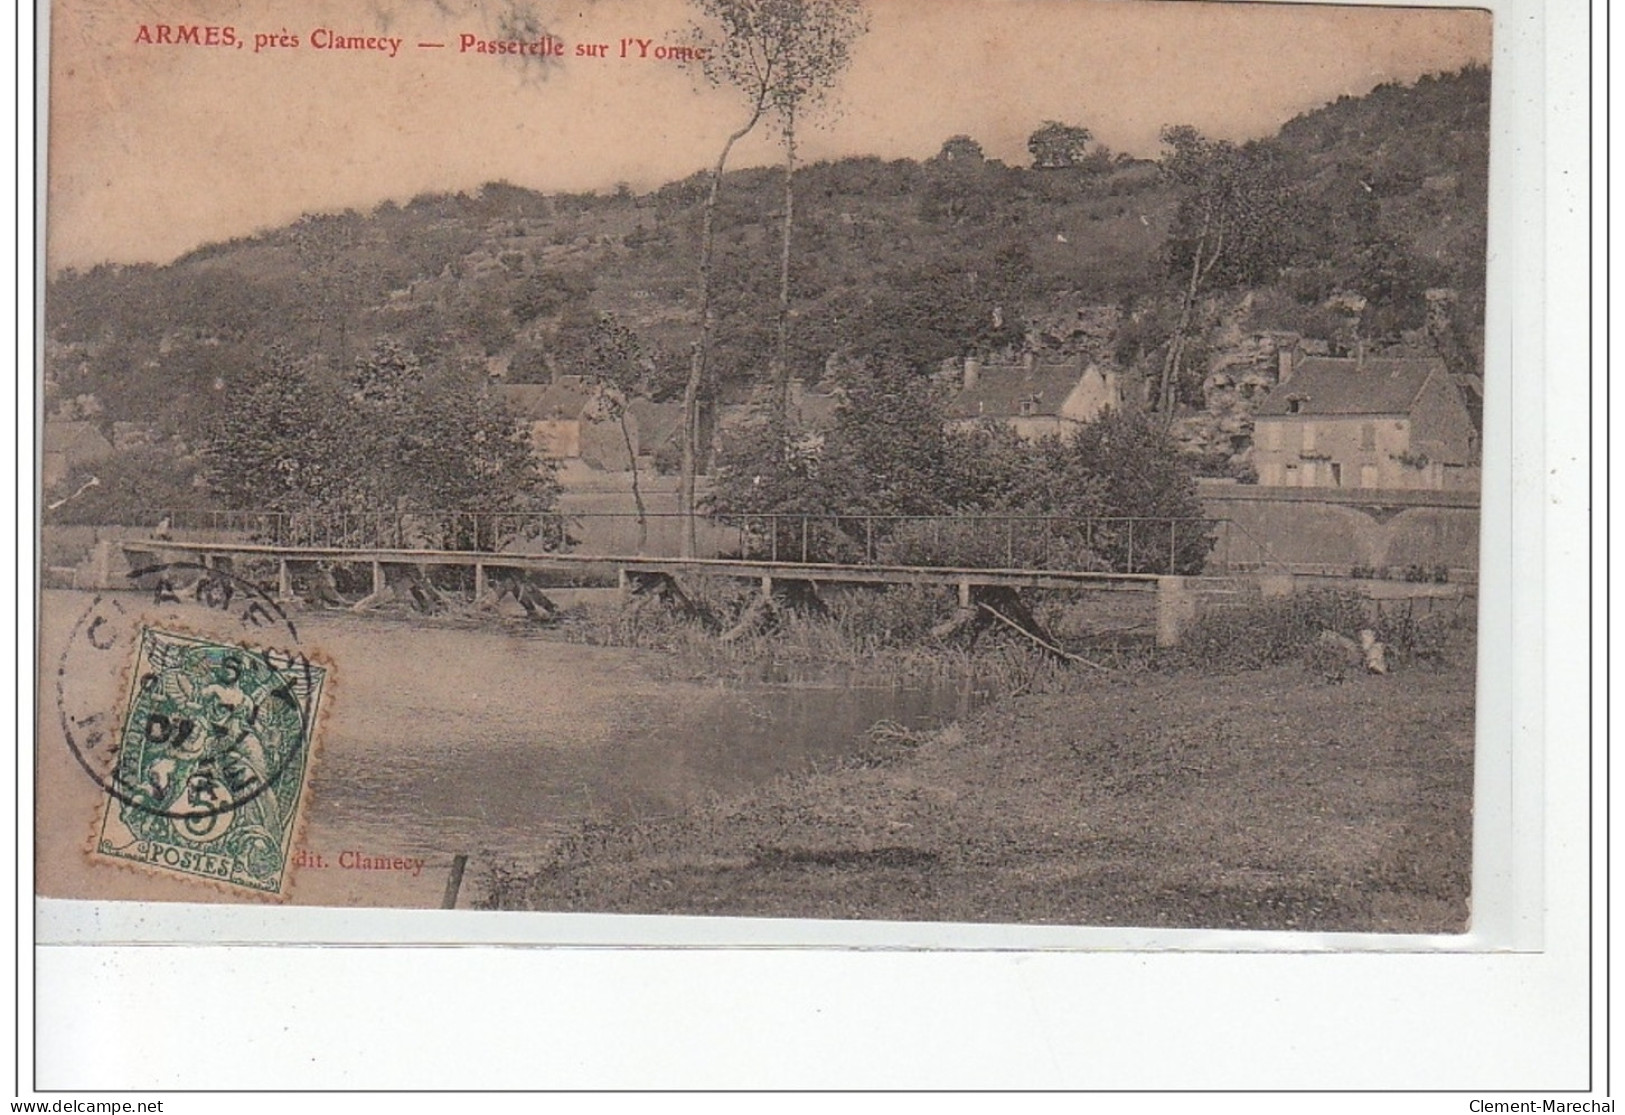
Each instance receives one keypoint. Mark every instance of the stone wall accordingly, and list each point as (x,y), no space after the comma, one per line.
(1334,531)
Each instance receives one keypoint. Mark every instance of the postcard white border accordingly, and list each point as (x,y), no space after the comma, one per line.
(1426,1013)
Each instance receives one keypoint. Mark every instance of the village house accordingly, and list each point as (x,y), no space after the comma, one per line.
(1036,398)
(569,421)
(659,430)
(1366,423)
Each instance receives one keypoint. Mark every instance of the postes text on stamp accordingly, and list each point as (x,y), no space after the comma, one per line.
(214,757)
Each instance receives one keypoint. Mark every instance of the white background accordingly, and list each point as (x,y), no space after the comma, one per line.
(285,1016)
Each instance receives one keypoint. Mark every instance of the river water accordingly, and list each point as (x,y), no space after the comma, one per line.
(484,741)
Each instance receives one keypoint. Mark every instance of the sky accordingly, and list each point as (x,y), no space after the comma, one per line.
(156,147)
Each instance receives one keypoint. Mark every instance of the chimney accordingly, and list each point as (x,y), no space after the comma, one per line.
(1283,371)
(973,372)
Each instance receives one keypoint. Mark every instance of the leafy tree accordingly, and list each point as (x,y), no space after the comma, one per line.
(1231,226)
(943,309)
(890,453)
(546,293)
(127,487)
(783,56)
(396,438)
(961,149)
(885,454)
(486,316)
(1056,145)
(1124,465)
(278,443)
(965,188)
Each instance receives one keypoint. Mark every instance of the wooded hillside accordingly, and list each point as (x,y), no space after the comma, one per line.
(1385,200)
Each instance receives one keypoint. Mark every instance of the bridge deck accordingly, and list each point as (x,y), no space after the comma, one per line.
(635,565)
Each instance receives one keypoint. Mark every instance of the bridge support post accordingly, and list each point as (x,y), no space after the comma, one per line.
(623,583)
(479,581)
(108,564)
(767,588)
(1176,608)
(377,592)
(284,582)
(964,594)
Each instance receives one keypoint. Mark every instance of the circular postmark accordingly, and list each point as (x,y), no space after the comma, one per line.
(188,729)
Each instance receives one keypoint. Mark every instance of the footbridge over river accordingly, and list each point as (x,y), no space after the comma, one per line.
(783,555)
(1178,564)
(634,572)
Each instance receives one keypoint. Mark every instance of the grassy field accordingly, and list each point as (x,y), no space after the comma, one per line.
(1271,798)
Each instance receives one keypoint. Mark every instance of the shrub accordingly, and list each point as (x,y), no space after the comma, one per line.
(889,455)
(898,616)
(1271,631)
(132,488)
(1268,631)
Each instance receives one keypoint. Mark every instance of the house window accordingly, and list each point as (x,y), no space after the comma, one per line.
(1029,407)
(1368,435)
(1294,405)
(1271,432)
(1309,435)
(1337,475)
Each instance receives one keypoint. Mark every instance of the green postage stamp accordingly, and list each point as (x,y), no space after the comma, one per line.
(214,758)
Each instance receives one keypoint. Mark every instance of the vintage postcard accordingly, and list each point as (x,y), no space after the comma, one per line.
(980,461)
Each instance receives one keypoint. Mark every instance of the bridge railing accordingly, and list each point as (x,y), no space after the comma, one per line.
(472,531)
(1125,544)
(1140,544)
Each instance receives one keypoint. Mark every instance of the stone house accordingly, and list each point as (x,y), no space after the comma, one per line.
(1036,398)
(659,428)
(1366,423)
(568,422)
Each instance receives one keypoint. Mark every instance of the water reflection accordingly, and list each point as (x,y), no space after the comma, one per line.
(518,739)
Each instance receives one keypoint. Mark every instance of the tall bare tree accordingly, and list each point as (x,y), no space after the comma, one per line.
(616,360)
(782,56)
(739,56)
(818,36)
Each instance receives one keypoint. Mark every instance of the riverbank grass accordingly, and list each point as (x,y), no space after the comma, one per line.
(1262,799)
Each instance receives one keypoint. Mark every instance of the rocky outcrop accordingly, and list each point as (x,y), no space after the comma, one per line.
(1067,327)
(1243,367)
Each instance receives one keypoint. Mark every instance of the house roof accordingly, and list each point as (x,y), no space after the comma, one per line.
(79,441)
(564,399)
(1001,389)
(1328,386)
